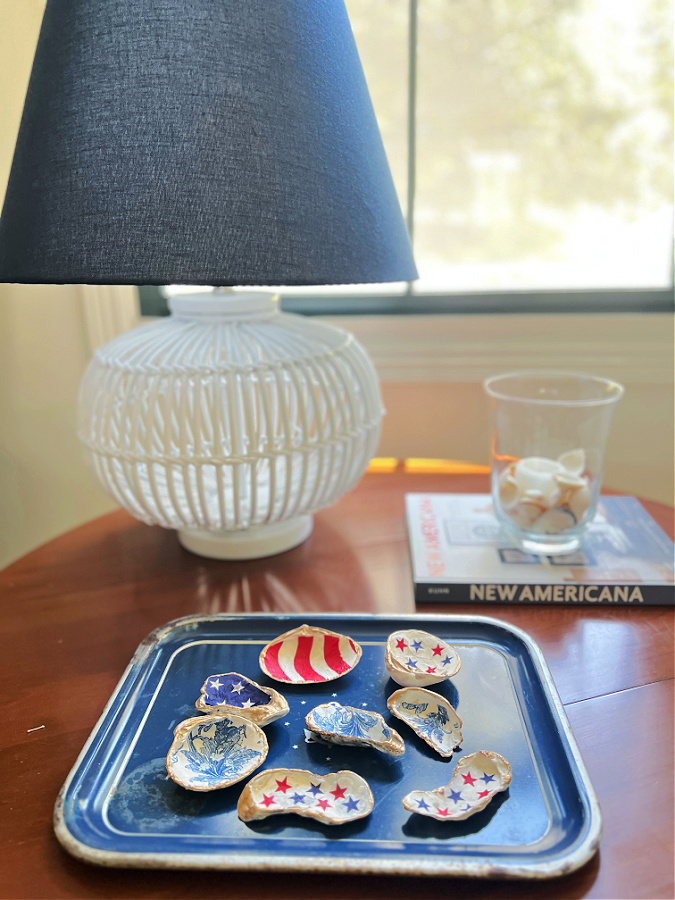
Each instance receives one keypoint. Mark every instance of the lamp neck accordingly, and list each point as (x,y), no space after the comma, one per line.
(224,304)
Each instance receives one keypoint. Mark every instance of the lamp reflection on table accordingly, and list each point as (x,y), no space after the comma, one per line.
(263,587)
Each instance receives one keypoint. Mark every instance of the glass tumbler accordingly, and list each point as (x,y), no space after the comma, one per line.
(548,448)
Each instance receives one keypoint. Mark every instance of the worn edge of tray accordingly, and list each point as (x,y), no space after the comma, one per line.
(416,865)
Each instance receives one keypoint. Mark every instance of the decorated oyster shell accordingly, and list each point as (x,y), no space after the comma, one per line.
(234,694)
(210,752)
(352,727)
(416,658)
(430,716)
(335,798)
(475,781)
(309,655)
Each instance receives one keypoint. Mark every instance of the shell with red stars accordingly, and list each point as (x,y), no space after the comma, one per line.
(430,716)
(416,658)
(334,799)
(475,781)
(309,655)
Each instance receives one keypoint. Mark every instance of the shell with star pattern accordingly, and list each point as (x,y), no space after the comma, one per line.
(235,694)
(475,781)
(335,798)
(416,658)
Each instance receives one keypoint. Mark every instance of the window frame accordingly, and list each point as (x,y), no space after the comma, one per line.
(657,300)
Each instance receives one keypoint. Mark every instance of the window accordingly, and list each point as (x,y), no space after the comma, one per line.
(531,146)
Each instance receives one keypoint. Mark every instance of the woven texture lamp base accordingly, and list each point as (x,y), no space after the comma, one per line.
(230,421)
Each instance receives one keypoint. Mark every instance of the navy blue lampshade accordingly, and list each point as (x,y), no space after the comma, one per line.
(204,142)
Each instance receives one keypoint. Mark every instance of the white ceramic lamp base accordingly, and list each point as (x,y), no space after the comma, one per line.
(253,543)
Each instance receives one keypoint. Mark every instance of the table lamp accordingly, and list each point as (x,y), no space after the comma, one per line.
(228,143)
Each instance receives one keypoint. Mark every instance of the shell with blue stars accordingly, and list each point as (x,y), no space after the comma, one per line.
(334,799)
(416,658)
(475,781)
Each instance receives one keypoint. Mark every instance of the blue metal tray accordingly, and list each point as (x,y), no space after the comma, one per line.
(118,807)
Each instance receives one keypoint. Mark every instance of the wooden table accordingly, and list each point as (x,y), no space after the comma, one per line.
(74,611)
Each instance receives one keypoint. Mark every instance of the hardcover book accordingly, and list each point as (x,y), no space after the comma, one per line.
(460,555)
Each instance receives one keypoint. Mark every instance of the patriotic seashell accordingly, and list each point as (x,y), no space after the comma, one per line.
(416,658)
(309,655)
(430,716)
(352,727)
(236,694)
(335,798)
(211,752)
(475,781)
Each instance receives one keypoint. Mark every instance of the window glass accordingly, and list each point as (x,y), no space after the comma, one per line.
(543,144)
(381,32)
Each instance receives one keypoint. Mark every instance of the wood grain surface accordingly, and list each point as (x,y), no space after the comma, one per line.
(74,611)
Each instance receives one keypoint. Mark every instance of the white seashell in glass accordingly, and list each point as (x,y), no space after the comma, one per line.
(230,421)
(416,658)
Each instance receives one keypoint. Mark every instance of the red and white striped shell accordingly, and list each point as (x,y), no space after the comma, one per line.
(309,655)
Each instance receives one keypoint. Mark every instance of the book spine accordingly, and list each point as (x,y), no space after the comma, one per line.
(570,594)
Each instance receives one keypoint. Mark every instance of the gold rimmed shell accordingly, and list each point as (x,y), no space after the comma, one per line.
(233,694)
(475,781)
(430,716)
(211,752)
(416,658)
(334,799)
(309,655)
(354,727)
